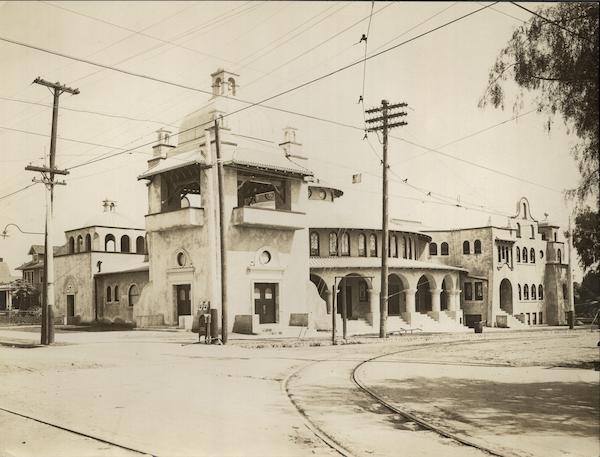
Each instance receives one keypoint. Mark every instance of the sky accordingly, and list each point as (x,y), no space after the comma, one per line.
(492,160)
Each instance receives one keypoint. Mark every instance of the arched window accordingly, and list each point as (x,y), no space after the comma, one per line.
(232,87)
(518,254)
(444,248)
(518,230)
(532,232)
(532,255)
(477,247)
(140,247)
(410,248)
(108,294)
(372,245)
(541,254)
(540,292)
(519,288)
(133,295)
(524,256)
(88,242)
(405,253)
(79,243)
(526,291)
(533,292)
(109,243)
(393,248)
(71,245)
(124,243)
(466,247)
(116,293)
(345,244)
(362,245)
(432,249)
(559,256)
(554,236)
(314,244)
(524,210)
(333,244)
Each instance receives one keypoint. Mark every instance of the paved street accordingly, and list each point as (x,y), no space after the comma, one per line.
(157,393)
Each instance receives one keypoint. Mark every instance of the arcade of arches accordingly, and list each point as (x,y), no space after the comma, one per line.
(408,293)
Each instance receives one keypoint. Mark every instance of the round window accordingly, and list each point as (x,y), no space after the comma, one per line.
(265,257)
(181,259)
(541,254)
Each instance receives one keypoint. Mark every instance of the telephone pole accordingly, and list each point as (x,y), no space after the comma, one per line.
(48,173)
(222,239)
(381,121)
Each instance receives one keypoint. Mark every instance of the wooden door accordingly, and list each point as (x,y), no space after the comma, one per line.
(184,304)
(70,305)
(264,302)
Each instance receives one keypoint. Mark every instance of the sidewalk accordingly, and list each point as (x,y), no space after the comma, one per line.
(29,337)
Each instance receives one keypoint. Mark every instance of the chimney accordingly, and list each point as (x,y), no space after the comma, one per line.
(290,146)
(109,205)
(161,147)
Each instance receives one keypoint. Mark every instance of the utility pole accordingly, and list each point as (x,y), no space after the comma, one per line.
(48,173)
(222,240)
(570,278)
(381,121)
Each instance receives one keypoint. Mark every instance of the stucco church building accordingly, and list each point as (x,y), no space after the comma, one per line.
(283,266)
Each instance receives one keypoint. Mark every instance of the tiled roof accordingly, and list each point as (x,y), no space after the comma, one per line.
(31,265)
(375,262)
(266,156)
(143,267)
(36,249)
(174,161)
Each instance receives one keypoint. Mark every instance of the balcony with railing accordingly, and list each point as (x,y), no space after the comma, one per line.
(252,216)
(180,218)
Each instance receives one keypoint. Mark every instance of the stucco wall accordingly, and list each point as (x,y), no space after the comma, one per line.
(118,306)
(73,276)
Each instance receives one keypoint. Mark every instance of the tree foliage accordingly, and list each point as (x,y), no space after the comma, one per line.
(554,56)
(586,238)
(25,295)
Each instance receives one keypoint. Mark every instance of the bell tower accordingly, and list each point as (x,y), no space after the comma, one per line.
(224,83)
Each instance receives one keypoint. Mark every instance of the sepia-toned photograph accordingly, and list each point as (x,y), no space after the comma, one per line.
(299,228)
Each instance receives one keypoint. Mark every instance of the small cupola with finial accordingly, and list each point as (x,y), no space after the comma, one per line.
(161,148)
(290,146)
(224,83)
(109,206)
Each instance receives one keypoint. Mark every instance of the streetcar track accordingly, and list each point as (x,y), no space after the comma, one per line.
(338,447)
(76,432)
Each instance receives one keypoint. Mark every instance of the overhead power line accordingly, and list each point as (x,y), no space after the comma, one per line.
(17,191)
(98,113)
(28,132)
(146,35)
(184,86)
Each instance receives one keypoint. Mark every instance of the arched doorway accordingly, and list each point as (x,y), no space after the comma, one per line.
(423,296)
(396,295)
(445,295)
(322,289)
(353,290)
(506,296)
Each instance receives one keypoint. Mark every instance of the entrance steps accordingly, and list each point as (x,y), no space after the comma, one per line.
(450,324)
(513,322)
(426,323)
